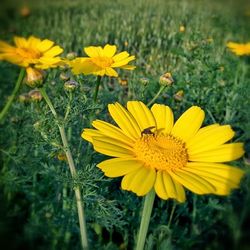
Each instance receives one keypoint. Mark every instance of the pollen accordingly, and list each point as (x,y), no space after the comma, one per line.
(161,152)
(102,62)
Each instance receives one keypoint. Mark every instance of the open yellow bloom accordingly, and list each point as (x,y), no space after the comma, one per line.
(101,61)
(31,52)
(151,151)
(240,49)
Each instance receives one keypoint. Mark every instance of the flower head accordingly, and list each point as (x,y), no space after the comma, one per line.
(240,49)
(101,61)
(31,52)
(151,151)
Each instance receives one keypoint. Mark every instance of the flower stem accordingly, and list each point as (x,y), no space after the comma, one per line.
(13,94)
(145,218)
(98,82)
(157,95)
(80,209)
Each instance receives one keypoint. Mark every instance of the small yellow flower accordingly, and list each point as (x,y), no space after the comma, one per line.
(151,151)
(31,52)
(182,28)
(240,49)
(101,61)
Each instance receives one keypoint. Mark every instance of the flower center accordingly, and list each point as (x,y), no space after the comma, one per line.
(162,152)
(28,53)
(102,62)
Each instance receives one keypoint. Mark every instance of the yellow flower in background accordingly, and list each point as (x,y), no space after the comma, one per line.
(32,51)
(240,49)
(151,151)
(101,61)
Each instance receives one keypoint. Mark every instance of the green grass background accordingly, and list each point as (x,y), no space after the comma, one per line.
(37,208)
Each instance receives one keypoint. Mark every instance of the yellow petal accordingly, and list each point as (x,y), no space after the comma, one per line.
(206,139)
(123,62)
(33,42)
(128,67)
(119,166)
(45,45)
(188,124)
(83,65)
(5,47)
(111,72)
(222,176)
(222,153)
(140,181)
(173,188)
(124,120)
(88,134)
(56,50)
(20,42)
(160,186)
(120,56)
(142,114)
(164,117)
(112,147)
(109,50)
(112,131)
(193,182)
(93,51)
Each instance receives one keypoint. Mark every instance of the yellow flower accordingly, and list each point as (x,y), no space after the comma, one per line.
(151,151)
(101,61)
(182,28)
(31,52)
(240,49)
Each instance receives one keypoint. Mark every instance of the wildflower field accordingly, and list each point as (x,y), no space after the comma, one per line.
(125,124)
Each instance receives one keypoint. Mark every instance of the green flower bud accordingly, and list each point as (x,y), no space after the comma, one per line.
(166,79)
(35,95)
(71,55)
(34,77)
(144,81)
(70,85)
(64,76)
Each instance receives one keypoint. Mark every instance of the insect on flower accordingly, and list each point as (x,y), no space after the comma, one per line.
(147,131)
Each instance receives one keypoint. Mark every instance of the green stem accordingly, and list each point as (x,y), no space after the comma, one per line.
(157,95)
(80,209)
(98,82)
(13,94)
(171,214)
(145,218)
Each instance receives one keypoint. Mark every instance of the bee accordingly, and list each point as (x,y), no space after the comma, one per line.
(147,131)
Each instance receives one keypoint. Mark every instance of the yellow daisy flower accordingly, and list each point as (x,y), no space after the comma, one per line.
(151,151)
(240,49)
(101,61)
(31,52)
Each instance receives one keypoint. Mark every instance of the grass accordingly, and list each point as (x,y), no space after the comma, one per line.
(37,208)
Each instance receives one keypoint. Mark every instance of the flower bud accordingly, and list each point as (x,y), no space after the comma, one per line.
(123,82)
(166,79)
(34,77)
(182,28)
(24,98)
(35,95)
(70,85)
(179,95)
(71,55)
(61,156)
(64,76)
(144,81)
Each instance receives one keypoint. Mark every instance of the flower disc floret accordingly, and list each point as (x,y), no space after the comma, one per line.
(161,152)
